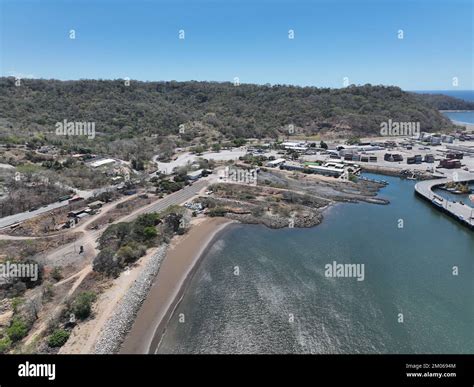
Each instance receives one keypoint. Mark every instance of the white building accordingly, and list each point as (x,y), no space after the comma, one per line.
(275,163)
(101,162)
(294,145)
(194,175)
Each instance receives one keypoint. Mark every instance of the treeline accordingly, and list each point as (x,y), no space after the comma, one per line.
(123,243)
(127,117)
(443,102)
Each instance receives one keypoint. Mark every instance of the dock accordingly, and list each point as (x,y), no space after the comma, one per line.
(461,212)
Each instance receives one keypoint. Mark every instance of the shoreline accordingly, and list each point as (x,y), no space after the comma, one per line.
(177,269)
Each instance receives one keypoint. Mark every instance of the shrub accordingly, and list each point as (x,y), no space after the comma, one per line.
(58,338)
(17,329)
(56,274)
(150,232)
(5,344)
(218,211)
(82,305)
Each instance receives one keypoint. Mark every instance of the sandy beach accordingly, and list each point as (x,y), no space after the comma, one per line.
(169,285)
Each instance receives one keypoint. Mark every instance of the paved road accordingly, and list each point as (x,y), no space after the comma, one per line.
(175,198)
(68,254)
(22,216)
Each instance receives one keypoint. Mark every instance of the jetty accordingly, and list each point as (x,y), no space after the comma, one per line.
(460,211)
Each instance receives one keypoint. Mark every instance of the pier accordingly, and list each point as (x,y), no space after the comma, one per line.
(461,212)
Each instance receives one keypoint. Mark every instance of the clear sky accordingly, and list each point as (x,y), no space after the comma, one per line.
(245,39)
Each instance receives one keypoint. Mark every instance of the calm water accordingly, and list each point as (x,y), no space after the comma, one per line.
(461,116)
(467,95)
(281,273)
(457,197)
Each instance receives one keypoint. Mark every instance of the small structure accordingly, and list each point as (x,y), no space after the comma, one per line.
(447,139)
(194,175)
(450,164)
(296,146)
(101,162)
(429,158)
(275,163)
(393,157)
(455,155)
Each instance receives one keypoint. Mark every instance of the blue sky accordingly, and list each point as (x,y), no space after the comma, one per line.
(244,39)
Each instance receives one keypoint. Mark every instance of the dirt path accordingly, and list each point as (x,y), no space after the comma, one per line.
(85,335)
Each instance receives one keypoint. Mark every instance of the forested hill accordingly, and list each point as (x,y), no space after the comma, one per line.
(145,108)
(443,102)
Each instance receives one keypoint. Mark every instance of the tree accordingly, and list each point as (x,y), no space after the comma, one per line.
(105,262)
(138,165)
(82,305)
(17,329)
(150,232)
(58,338)
(323,145)
(353,140)
(56,273)
(5,344)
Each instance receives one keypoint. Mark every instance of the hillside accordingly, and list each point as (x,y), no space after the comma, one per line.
(127,117)
(443,102)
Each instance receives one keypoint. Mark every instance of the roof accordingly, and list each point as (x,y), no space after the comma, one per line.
(195,173)
(324,169)
(277,161)
(101,162)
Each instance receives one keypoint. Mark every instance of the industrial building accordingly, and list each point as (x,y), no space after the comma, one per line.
(328,169)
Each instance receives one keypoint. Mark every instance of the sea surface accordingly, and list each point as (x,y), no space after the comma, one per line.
(467,95)
(259,290)
(467,117)
(465,198)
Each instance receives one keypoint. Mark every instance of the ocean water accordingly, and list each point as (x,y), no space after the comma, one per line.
(467,116)
(465,198)
(265,291)
(467,95)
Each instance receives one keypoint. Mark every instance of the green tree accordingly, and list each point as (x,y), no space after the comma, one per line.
(5,344)
(150,232)
(58,338)
(82,305)
(17,329)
